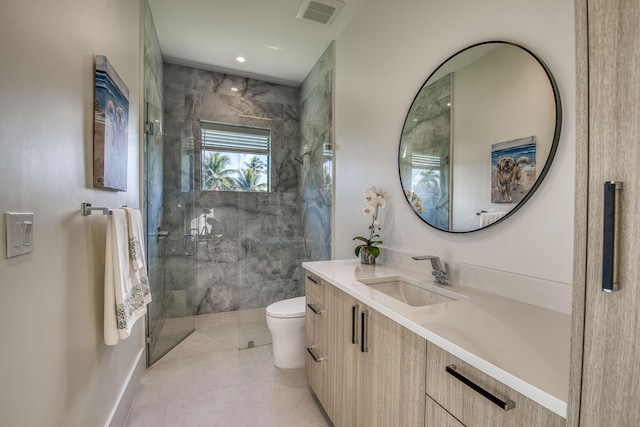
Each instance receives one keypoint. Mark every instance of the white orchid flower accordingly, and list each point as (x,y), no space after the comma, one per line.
(370,195)
(381,193)
(380,202)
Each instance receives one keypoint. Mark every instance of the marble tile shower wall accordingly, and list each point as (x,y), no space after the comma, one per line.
(316,124)
(429,134)
(249,245)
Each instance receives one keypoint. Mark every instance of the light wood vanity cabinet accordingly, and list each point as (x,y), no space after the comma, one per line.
(373,371)
(450,382)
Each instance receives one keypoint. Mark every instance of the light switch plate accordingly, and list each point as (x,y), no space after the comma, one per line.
(18,233)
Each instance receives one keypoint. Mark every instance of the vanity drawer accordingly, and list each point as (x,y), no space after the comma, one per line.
(467,394)
(315,316)
(314,287)
(315,365)
(436,416)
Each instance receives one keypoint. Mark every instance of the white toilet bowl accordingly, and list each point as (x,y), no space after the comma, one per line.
(286,322)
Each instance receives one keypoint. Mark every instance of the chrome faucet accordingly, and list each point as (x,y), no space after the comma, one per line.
(441,276)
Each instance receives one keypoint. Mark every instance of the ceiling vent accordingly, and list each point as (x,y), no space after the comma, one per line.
(322,11)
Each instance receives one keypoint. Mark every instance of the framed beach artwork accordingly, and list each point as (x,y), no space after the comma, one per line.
(111,128)
(513,169)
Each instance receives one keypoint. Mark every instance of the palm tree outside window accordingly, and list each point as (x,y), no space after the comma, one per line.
(235,158)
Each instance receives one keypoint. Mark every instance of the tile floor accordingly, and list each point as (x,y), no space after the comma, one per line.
(206,381)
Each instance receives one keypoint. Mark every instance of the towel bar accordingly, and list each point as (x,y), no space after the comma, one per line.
(86,209)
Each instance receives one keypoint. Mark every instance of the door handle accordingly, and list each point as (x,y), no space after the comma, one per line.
(611,236)
(184,244)
(354,324)
(364,344)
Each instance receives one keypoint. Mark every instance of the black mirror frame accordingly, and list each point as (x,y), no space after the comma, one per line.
(554,144)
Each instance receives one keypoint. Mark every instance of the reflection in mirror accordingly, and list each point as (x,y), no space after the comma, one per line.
(479,137)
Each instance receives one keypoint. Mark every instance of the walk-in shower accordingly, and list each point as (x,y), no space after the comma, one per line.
(231,214)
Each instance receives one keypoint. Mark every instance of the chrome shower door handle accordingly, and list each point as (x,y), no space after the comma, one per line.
(186,238)
(611,236)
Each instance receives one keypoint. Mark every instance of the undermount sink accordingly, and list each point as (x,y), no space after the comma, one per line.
(410,291)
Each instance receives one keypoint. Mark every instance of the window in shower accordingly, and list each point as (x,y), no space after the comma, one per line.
(235,158)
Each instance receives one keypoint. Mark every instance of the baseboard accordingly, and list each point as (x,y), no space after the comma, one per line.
(121,408)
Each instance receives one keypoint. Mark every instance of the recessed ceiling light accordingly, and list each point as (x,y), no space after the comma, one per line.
(241,59)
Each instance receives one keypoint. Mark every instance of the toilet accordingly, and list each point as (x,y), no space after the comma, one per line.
(286,322)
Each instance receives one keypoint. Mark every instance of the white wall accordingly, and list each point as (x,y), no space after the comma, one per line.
(382,59)
(54,367)
(503,96)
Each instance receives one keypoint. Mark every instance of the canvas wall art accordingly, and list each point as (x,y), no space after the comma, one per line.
(111,128)
(513,169)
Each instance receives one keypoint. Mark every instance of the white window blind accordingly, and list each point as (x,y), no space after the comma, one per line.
(422,161)
(230,138)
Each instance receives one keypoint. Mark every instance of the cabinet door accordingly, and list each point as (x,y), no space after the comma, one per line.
(345,360)
(611,361)
(413,379)
(380,370)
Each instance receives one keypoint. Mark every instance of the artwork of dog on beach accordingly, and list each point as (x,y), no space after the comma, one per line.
(513,169)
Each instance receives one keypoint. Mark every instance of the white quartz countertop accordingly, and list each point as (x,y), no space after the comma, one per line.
(524,346)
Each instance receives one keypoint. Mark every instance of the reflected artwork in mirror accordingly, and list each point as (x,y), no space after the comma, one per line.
(479,137)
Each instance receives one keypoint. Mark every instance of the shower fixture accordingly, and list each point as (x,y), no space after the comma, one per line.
(301,159)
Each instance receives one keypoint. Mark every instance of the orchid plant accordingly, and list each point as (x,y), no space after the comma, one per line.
(375,199)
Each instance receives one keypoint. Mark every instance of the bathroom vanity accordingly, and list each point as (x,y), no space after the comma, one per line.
(378,354)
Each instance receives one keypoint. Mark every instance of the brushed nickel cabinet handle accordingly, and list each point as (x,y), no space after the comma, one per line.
(315,358)
(354,324)
(504,404)
(313,308)
(364,344)
(611,236)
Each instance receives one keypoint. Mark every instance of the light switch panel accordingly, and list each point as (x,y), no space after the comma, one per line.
(18,233)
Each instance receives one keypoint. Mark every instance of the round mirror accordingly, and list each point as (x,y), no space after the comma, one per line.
(479,137)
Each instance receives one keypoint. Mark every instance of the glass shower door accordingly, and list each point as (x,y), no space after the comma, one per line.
(171,245)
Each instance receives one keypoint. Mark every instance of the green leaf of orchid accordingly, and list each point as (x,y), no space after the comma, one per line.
(374,251)
(357,251)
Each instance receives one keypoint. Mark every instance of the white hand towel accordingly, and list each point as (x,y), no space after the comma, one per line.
(126,291)
(487,218)
(136,252)
(136,237)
